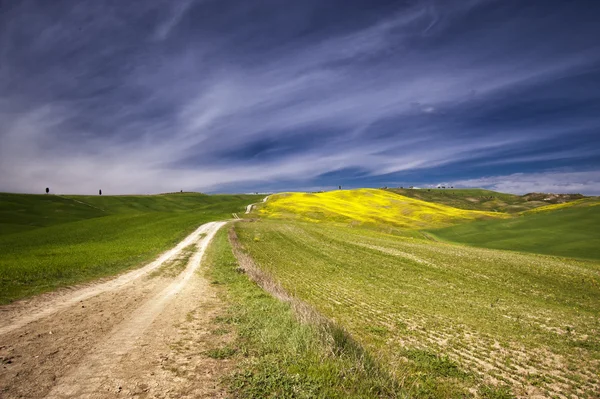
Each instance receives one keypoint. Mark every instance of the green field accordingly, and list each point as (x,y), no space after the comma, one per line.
(483,200)
(278,356)
(563,229)
(570,229)
(445,320)
(49,241)
(448,320)
(426,294)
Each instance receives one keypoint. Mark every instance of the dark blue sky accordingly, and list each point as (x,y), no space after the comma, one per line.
(264,95)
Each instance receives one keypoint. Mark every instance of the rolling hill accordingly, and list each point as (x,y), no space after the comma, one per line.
(485,200)
(49,241)
(446,320)
(569,229)
(368,207)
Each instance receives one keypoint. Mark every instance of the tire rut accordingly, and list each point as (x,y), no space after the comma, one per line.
(81,347)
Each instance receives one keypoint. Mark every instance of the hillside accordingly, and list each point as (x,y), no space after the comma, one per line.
(51,241)
(367,207)
(485,200)
(569,229)
(20,212)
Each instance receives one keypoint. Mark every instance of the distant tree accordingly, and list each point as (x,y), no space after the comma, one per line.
(339,187)
(99,192)
(401,187)
(47,190)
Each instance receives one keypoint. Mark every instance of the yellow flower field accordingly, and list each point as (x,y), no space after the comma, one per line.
(368,207)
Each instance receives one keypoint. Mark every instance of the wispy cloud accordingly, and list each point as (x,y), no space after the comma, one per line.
(175,14)
(545,182)
(206,95)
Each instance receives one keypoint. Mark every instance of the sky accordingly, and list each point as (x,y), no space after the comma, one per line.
(281,95)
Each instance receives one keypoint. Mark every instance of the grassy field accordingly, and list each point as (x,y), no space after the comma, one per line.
(563,229)
(367,207)
(569,229)
(445,320)
(482,200)
(20,212)
(407,312)
(51,241)
(277,355)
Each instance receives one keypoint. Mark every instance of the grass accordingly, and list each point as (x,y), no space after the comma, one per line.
(370,207)
(51,242)
(444,320)
(174,267)
(366,307)
(280,357)
(482,200)
(580,203)
(563,229)
(20,212)
(569,229)
(224,352)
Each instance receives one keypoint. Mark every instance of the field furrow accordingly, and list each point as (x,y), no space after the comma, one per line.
(527,322)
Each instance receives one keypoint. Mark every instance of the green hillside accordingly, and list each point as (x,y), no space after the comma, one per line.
(52,241)
(19,212)
(484,200)
(565,230)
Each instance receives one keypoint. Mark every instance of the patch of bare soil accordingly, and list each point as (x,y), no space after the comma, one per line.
(552,198)
(146,338)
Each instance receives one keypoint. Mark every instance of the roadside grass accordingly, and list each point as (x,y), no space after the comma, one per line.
(569,229)
(473,321)
(42,259)
(479,199)
(279,356)
(224,352)
(370,207)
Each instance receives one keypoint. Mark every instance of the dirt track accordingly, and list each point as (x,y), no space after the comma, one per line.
(143,334)
(249,207)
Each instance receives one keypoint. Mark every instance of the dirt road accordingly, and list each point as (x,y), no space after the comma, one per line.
(143,334)
(249,207)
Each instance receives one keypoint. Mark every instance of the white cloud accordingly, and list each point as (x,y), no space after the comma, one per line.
(564,182)
(177,12)
(313,88)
